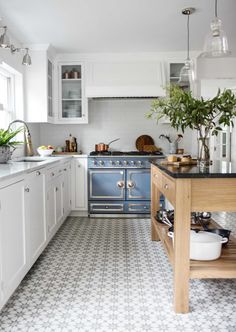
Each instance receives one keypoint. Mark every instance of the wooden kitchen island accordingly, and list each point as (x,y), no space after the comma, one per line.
(190,189)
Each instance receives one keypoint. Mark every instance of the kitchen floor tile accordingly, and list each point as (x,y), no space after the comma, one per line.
(101,275)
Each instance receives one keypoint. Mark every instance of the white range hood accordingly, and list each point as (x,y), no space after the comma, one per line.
(125,80)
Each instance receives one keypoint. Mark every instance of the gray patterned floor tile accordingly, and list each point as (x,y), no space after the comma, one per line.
(101,275)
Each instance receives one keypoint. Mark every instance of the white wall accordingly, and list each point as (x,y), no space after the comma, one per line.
(110,119)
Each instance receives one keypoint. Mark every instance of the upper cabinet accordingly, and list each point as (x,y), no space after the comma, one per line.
(72,104)
(39,86)
(125,79)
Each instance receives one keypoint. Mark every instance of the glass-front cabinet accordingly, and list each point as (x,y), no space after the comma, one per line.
(73,104)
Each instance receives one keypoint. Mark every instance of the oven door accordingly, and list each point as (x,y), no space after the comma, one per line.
(106,184)
(138,184)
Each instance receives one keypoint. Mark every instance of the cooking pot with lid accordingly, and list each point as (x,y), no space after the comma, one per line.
(204,246)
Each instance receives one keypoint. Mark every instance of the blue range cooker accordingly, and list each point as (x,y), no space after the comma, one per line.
(119,183)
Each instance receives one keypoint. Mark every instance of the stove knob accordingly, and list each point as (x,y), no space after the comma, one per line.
(94,162)
(132,163)
(118,163)
(101,163)
(140,163)
(111,162)
(125,162)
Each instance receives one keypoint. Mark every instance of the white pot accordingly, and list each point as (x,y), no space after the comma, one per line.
(204,246)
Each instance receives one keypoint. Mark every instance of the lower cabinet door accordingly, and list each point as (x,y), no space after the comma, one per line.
(138,184)
(13,264)
(59,198)
(35,214)
(51,209)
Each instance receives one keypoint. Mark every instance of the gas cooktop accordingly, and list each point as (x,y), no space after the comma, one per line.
(126,153)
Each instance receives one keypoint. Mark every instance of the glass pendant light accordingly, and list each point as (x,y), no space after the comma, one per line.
(4,39)
(26,59)
(216,43)
(187,75)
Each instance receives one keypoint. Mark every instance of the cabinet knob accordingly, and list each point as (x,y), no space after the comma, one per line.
(27,189)
(166,186)
(52,174)
(78,166)
(38,173)
(65,169)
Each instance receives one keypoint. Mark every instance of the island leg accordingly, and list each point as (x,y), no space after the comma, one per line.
(155,206)
(182,245)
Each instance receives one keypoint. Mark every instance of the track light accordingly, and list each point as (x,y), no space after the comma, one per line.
(5,43)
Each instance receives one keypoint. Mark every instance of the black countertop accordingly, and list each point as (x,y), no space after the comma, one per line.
(218,169)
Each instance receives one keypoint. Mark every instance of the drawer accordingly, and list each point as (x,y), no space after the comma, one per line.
(106,207)
(139,207)
(168,188)
(157,177)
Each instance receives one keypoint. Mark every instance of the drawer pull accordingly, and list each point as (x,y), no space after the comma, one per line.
(130,184)
(166,186)
(38,173)
(120,184)
(27,189)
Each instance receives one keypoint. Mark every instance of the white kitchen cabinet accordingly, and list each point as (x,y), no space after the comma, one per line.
(125,79)
(39,87)
(59,199)
(73,106)
(51,208)
(13,263)
(67,189)
(79,184)
(35,214)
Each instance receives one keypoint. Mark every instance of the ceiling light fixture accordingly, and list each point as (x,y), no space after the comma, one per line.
(216,43)
(5,43)
(187,75)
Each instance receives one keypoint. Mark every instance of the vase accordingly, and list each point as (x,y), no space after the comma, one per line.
(204,151)
(173,147)
(5,154)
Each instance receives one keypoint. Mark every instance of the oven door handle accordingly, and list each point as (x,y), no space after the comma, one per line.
(130,184)
(120,184)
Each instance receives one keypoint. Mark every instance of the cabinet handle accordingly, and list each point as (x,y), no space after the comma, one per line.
(83,115)
(38,173)
(27,189)
(78,166)
(166,186)
(56,189)
(120,184)
(52,174)
(130,184)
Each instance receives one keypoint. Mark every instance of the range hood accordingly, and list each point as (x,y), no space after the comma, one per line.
(125,80)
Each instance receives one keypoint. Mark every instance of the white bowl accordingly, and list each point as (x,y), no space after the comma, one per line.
(45,152)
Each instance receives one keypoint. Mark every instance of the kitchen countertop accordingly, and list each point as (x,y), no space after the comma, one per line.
(218,169)
(16,167)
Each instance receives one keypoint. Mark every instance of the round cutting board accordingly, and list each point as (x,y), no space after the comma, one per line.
(143,140)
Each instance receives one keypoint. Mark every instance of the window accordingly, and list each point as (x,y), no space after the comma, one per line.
(7,109)
(225,143)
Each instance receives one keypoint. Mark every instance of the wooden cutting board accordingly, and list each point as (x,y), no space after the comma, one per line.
(179,163)
(143,140)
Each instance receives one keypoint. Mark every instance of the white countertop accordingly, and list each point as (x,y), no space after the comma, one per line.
(16,167)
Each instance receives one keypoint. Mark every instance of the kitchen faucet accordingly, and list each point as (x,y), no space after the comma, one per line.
(28,142)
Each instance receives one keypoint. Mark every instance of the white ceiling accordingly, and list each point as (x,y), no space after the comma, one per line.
(115,25)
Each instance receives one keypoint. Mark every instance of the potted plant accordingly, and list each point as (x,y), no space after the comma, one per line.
(7,145)
(204,115)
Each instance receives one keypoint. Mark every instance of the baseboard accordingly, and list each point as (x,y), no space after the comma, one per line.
(78,214)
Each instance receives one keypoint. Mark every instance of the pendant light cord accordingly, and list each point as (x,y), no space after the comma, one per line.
(188,58)
(216,7)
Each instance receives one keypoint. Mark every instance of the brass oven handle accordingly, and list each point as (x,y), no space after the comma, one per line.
(130,184)
(120,184)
